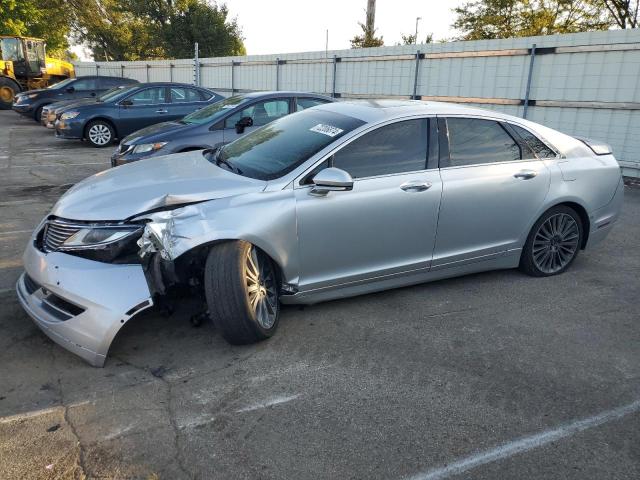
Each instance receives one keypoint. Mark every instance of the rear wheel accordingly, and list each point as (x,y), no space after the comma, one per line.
(242,292)
(100,133)
(8,90)
(553,243)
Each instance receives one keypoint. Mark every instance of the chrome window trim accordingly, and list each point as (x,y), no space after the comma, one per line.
(499,120)
(356,134)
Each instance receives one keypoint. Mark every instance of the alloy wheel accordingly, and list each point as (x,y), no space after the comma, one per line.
(261,288)
(556,243)
(100,134)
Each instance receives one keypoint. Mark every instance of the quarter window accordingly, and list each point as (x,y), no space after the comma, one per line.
(396,148)
(537,145)
(473,141)
(148,96)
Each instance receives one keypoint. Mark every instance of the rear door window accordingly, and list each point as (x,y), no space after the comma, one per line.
(396,148)
(475,141)
(184,95)
(149,96)
(302,103)
(85,84)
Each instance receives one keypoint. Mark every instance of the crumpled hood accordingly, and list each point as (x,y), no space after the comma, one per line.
(122,192)
(155,133)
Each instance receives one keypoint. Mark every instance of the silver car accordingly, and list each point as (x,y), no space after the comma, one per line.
(337,200)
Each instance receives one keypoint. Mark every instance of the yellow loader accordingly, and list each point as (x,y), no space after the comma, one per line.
(25,66)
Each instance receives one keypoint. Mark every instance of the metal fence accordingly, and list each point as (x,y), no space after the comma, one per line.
(583,84)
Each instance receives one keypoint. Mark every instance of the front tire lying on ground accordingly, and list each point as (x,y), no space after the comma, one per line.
(100,133)
(553,243)
(242,292)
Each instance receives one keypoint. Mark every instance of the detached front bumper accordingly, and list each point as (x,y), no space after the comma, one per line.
(81,304)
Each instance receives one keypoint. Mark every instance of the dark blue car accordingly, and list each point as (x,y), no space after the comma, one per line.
(214,125)
(129,109)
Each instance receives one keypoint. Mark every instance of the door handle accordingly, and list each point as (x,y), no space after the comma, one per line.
(415,186)
(525,174)
(162,110)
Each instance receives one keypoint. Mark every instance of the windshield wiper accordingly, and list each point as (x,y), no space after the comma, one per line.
(218,161)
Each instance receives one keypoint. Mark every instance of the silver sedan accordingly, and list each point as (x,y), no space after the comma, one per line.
(337,200)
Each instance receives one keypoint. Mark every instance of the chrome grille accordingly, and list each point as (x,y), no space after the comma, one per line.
(55,233)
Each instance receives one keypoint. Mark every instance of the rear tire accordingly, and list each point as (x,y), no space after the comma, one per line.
(242,292)
(8,90)
(100,133)
(553,243)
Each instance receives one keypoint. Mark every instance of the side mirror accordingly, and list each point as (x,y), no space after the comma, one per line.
(331,180)
(243,123)
(126,103)
(70,89)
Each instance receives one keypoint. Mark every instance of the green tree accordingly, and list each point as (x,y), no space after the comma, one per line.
(410,39)
(367,39)
(623,12)
(35,18)
(487,19)
(146,29)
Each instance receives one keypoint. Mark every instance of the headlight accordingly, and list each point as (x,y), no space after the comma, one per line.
(31,95)
(68,115)
(98,237)
(148,147)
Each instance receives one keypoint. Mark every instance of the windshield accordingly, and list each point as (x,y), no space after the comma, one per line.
(214,112)
(282,145)
(62,84)
(11,49)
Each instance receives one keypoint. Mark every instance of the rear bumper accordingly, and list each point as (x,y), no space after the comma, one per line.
(81,304)
(603,219)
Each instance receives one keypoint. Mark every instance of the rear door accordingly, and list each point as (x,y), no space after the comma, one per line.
(261,113)
(83,88)
(148,106)
(184,100)
(493,187)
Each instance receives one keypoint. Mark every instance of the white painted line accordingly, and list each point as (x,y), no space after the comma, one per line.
(58,165)
(25,416)
(16,231)
(268,403)
(527,443)
(19,202)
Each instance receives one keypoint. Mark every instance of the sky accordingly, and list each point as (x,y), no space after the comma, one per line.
(286,26)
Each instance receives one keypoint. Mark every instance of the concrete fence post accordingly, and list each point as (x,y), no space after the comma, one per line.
(121,71)
(415,77)
(277,74)
(196,65)
(171,66)
(532,58)
(233,88)
(335,70)
(147,67)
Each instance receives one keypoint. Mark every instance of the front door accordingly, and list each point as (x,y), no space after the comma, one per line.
(493,186)
(386,224)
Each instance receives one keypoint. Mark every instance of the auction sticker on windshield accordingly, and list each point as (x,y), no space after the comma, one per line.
(326,130)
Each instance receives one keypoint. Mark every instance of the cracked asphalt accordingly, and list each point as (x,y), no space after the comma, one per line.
(384,386)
